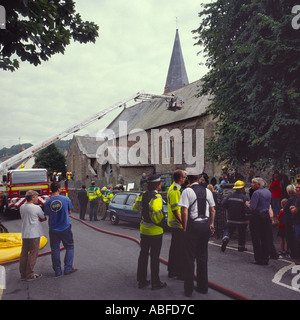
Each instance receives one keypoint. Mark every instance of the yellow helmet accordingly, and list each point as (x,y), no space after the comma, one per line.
(103,189)
(239,185)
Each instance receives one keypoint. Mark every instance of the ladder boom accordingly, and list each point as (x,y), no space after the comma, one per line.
(34,149)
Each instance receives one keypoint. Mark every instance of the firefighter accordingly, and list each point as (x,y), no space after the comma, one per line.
(237,217)
(149,204)
(172,103)
(93,194)
(69,175)
(175,264)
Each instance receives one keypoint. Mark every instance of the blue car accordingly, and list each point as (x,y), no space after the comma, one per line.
(120,208)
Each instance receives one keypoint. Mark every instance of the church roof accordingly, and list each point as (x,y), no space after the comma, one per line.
(177,76)
(154,113)
(88,145)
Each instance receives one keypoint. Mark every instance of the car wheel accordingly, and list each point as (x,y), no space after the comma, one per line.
(114,219)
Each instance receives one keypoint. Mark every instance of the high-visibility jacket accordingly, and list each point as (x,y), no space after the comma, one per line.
(173,198)
(150,205)
(93,193)
(107,196)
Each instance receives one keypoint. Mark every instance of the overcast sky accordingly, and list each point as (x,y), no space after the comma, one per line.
(131,54)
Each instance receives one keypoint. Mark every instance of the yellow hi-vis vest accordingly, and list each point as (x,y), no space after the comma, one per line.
(93,193)
(173,198)
(107,196)
(150,223)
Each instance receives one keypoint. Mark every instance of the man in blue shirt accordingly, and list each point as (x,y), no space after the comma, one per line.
(58,208)
(260,222)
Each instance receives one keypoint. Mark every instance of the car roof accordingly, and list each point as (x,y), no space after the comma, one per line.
(128,192)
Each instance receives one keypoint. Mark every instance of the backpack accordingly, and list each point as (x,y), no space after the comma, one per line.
(147,197)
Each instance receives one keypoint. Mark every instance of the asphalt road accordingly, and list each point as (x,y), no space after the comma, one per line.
(107,271)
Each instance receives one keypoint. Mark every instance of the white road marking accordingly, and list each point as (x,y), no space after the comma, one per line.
(278,275)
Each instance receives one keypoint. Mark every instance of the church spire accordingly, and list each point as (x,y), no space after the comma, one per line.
(177,76)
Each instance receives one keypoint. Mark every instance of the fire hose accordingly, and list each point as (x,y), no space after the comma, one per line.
(227,292)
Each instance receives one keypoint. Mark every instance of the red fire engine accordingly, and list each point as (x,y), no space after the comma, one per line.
(18,182)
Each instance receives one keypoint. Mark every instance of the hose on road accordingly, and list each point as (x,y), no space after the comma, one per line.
(212,285)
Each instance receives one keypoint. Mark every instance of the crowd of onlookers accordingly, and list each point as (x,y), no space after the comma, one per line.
(284,212)
(289,221)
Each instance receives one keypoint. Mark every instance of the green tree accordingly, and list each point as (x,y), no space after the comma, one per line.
(37,29)
(51,159)
(253,55)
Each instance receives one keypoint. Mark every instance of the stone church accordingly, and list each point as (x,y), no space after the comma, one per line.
(175,130)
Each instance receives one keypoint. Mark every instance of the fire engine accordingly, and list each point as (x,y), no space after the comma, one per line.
(18,181)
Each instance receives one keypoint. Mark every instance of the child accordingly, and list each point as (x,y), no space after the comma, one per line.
(281,227)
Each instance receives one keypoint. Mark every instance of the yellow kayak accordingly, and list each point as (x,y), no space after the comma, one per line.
(11,245)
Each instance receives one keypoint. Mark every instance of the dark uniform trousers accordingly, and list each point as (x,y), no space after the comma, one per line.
(231,227)
(152,243)
(261,234)
(196,240)
(175,263)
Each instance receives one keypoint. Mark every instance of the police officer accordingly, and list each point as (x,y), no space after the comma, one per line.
(236,216)
(149,204)
(198,214)
(93,195)
(175,263)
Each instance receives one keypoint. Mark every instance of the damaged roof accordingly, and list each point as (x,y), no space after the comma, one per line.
(88,145)
(154,113)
